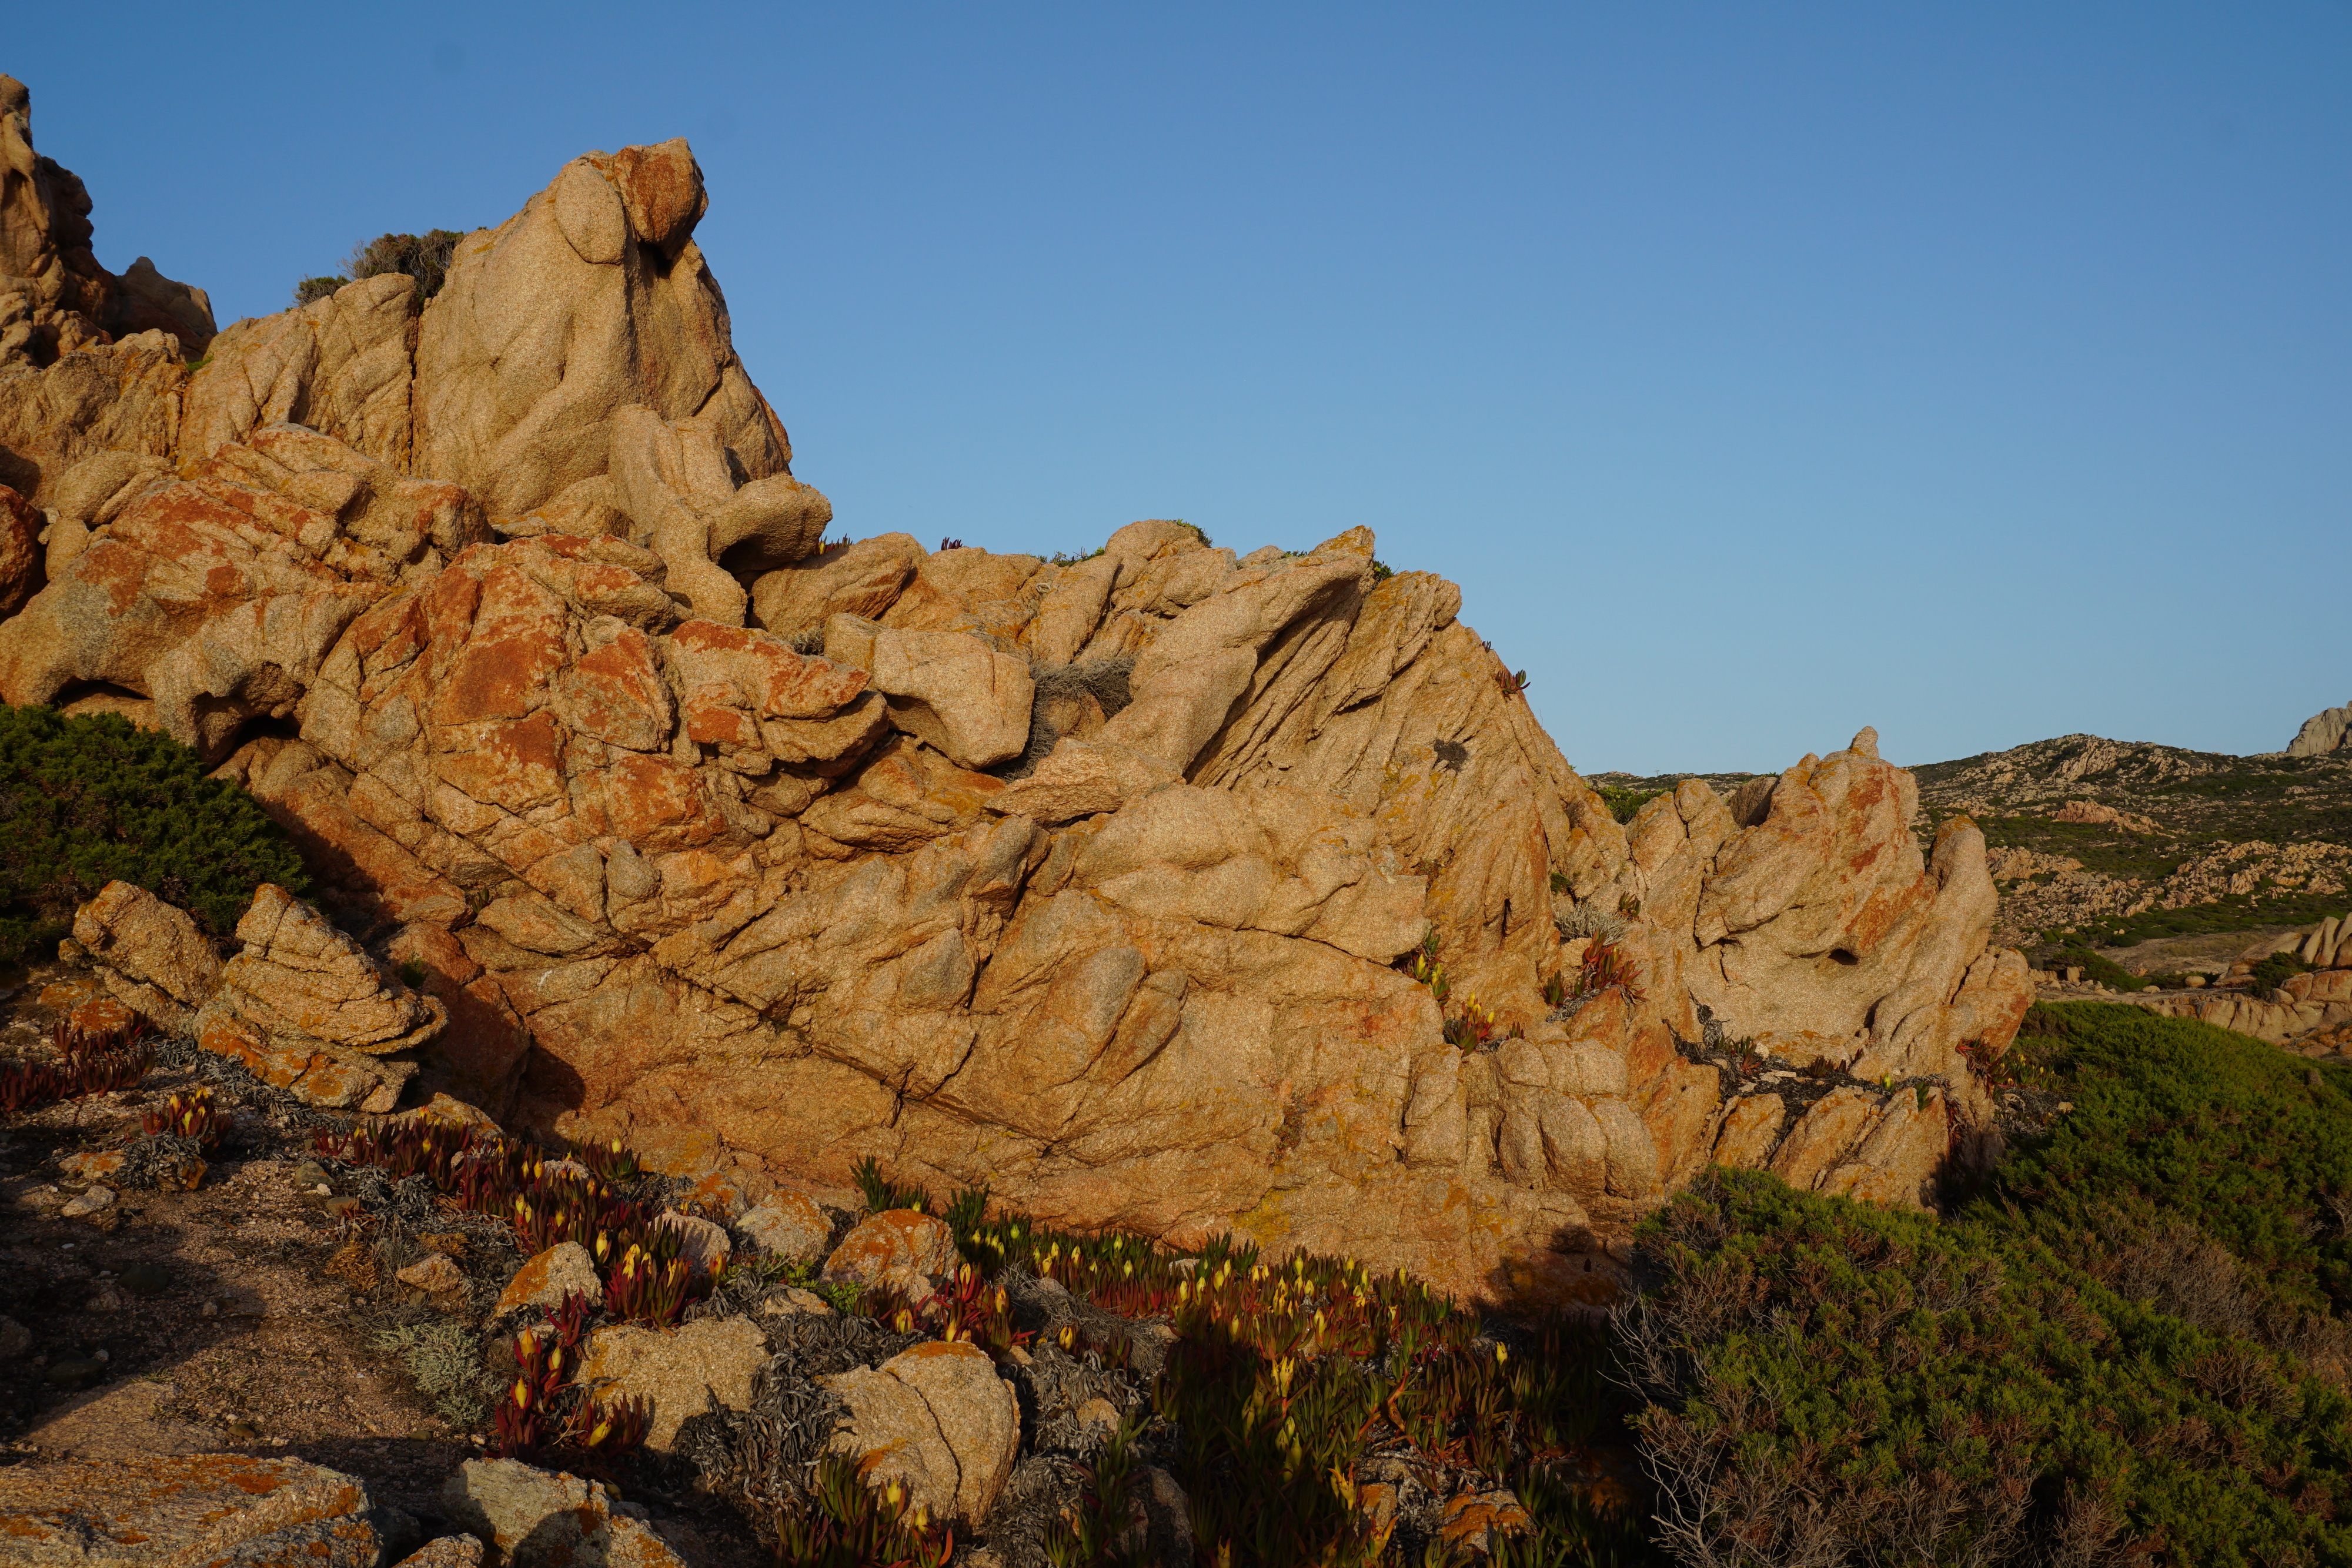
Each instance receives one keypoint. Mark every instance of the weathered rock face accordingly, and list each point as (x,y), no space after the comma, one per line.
(2322,732)
(1090,882)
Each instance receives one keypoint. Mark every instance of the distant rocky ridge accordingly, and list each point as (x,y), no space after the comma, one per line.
(1104,883)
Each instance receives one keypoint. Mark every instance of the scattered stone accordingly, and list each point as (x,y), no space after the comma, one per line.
(94,1167)
(449,1552)
(1162,1532)
(309,1173)
(787,1225)
(528,1518)
(674,1368)
(1099,1419)
(88,1203)
(701,1243)
(101,1015)
(902,1249)
(1475,1520)
(73,1371)
(937,1419)
(563,1269)
(435,1275)
(793,1302)
(232,1509)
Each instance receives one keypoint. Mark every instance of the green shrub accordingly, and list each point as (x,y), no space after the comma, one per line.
(2106,971)
(1623,803)
(2274,970)
(85,801)
(424,257)
(2132,1341)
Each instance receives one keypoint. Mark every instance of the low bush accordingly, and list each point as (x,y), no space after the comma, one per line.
(85,801)
(1623,803)
(2104,971)
(424,257)
(2130,1346)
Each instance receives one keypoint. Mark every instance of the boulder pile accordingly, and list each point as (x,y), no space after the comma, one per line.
(1173,888)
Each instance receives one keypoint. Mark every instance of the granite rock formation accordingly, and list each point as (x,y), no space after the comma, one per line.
(2327,731)
(1104,883)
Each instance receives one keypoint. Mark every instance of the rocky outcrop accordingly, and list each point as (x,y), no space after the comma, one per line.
(302,1005)
(216,596)
(1101,882)
(55,298)
(2323,732)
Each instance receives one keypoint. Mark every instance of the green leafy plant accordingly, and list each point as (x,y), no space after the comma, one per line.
(85,801)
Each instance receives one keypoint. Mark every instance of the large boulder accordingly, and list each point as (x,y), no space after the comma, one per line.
(531,1518)
(218,596)
(165,1510)
(937,1419)
(149,953)
(592,300)
(677,1371)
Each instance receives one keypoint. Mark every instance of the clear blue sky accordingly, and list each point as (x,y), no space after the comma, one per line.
(1980,371)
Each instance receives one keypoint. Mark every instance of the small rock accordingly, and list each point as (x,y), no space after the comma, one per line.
(101,1015)
(88,1203)
(1474,1519)
(96,1166)
(146,1279)
(449,1552)
(1099,1418)
(561,1270)
(793,1302)
(787,1225)
(72,951)
(675,1369)
(903,1249)
(309,1173)
(435,1275)
(16,1339)
(531,1519)
(703,1244)
(1163,1530)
